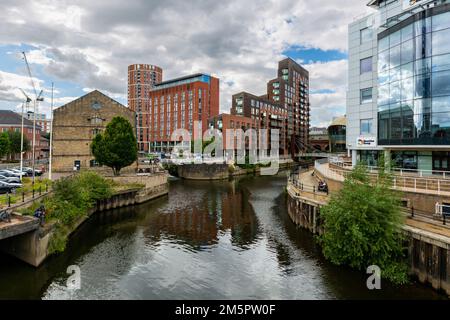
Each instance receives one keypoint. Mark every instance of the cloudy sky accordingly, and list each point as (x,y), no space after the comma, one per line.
(84,45)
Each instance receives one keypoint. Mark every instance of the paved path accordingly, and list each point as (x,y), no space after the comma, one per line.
(422,223)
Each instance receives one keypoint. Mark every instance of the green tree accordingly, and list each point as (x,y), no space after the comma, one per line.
(5,144)
(15,143)
(362,225)
(117,146)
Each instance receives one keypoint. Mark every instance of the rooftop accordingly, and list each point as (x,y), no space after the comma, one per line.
(183,80)
(10,118)
(339,121)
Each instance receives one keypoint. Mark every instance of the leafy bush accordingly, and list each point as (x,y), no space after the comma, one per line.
(171,168)
(74,196)
(362,226)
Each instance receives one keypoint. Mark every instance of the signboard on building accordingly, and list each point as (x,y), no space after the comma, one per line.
(366,142)
(407,4)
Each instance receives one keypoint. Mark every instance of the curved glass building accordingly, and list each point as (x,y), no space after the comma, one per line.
(406,114)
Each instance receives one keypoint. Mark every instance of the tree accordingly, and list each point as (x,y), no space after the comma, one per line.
(117,146)
(5,144)
(15,143)
(362,225)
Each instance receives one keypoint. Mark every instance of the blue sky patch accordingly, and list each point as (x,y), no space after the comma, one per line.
(314,55)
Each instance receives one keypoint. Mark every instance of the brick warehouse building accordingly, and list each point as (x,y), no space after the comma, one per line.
(76,124)
(141,79)
(12,121)
(176,104)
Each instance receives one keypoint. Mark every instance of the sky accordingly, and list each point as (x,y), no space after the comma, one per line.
(85,45)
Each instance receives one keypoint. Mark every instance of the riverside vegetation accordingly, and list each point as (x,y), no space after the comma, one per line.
(70,202)
(362,226)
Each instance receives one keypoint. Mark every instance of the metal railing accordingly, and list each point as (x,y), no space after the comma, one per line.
(19,196)
(398,171)
(442,211)
(402,182)
(293,179)
(26,163)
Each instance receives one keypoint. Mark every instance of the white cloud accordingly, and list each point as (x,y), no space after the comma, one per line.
(91,44)
(10,84)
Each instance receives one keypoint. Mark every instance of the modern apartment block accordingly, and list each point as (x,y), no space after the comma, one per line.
(285,107)
(141,79)
(41,120)
(264,113)
(398,101)
(291,90)
(177,104)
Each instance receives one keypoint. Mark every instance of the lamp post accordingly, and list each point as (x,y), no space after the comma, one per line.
(39,98)
(51,139)
(28,100)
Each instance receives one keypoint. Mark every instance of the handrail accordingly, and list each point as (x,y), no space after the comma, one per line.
(404,182)
(305,187)
(401,171)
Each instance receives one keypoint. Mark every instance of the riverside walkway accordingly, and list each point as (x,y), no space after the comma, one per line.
(309,181)
(18,225)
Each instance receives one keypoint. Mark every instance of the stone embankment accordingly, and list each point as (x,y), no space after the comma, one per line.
(32,246)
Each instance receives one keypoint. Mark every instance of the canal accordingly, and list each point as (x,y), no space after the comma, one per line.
(205,240)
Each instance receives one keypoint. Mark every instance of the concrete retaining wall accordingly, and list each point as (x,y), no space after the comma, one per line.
(205,171)
(32,247)
(428,253)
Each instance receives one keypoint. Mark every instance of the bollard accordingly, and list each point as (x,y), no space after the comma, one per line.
(33,192)
(23,196)
(9,200)
(412,212)
(46,187)
(314,189)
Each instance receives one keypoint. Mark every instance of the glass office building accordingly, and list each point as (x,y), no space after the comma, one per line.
(411,58)
(414,82)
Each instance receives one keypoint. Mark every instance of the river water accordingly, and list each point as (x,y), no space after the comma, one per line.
(205,240)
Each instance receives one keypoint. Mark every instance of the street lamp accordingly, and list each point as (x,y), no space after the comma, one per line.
(28,100)
(51,139)
(38,99)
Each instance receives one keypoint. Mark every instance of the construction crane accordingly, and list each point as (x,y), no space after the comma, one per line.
(37,98)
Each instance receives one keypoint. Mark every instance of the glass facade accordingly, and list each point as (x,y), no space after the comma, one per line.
(369,157)
(414,85)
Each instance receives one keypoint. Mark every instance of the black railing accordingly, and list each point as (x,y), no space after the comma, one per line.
(20,196)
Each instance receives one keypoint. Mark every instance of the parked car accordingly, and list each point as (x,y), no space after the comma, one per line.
(12,173)
(8,174)
(8,187)
(21,173)
(29,171)
(9,179)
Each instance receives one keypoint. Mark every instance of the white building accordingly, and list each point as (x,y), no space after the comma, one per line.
(398,100)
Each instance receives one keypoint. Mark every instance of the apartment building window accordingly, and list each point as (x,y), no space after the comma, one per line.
(366,35)
(366,95)
(366,65)
(366,126)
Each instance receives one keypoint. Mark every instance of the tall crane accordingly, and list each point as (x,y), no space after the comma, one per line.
(37,98)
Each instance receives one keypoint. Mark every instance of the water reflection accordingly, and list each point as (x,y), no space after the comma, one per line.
(206,240)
